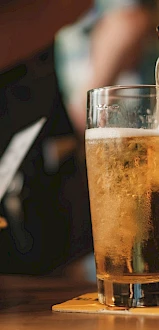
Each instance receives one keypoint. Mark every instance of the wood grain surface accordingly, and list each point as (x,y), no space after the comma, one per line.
(26,301)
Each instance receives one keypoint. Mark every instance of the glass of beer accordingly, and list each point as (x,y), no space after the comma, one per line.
(122,156)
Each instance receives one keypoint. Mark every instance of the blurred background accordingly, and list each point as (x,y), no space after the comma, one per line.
(46,206)
(45,219)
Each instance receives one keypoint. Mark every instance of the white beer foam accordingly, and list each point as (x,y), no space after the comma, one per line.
(109,132)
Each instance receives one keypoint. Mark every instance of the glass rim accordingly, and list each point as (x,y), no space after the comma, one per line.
(120,87)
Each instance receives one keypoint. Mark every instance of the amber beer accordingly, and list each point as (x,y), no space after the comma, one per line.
(123,178)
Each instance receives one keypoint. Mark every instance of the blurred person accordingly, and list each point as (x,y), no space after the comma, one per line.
(117,47)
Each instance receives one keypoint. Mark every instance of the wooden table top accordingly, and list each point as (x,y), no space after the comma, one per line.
(25,304)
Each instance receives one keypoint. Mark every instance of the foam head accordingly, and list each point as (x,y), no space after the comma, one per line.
(115,132)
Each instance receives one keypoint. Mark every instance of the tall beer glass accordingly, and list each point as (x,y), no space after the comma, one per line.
(122,155)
